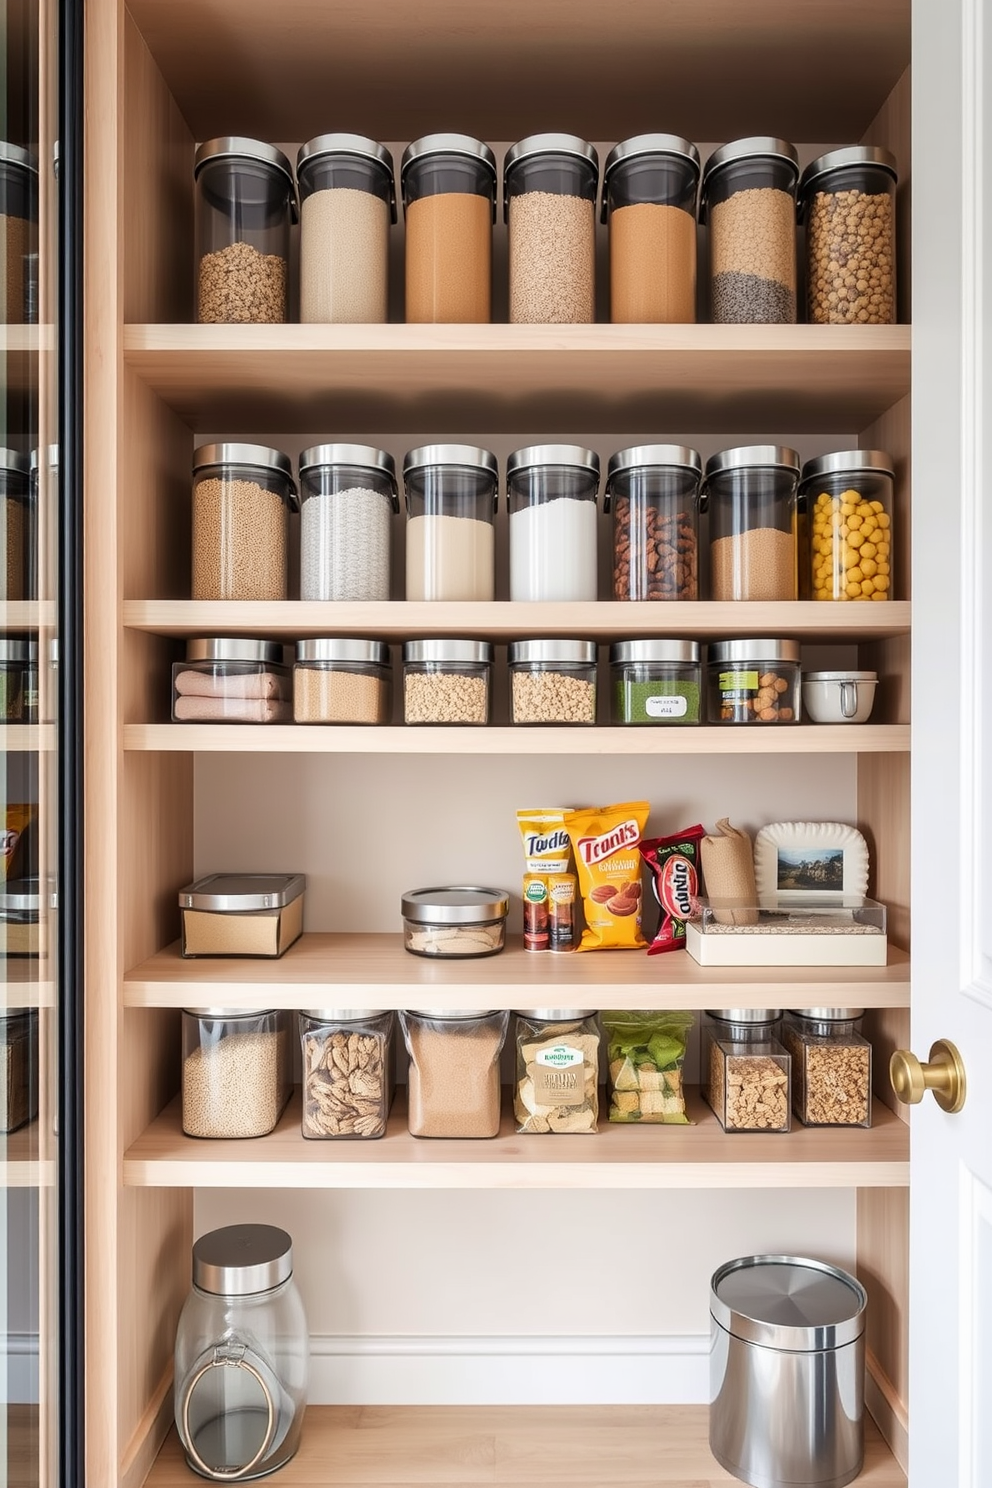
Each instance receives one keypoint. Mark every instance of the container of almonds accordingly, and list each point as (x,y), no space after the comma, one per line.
(831,1066)
(460,920)
(746,1072)
(347,1065)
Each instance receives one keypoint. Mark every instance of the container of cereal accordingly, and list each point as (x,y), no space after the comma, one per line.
(233,680)
(650,185)
(748,200)
(19,1068)
(341,681)
(557,1080)
(242,497)
(347,1071)
(848,498)
(447,681)
(553,681)
(347,502)
(549,200)
(19,214)
(347,203)
(847,200)
(454,1086)
(245,202)
(652,491)
(655,682)
(242,914)
(18,512)
(457,921)
(449,198)
(451,497)
(551,493)
(745,1070)
(750,494)
(831,1066)
(753,682)
(236,1071)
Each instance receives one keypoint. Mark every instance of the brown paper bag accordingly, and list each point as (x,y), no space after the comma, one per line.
(728,874)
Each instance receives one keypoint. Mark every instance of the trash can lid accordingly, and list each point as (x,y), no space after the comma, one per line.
(787,1302)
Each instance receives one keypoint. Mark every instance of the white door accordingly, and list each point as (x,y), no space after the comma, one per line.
(950,1404)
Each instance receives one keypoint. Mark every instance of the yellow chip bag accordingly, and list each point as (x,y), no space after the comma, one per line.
(605,842)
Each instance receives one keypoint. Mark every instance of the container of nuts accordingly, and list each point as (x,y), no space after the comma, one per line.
(847,200)
(831,1066)
(347,1071)
(848,498)
(652,492)
(753,682)
(745,1070)
(553,682)
(447,681)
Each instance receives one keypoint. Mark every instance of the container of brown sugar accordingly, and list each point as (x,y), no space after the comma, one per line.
(341,680)
(454,1086)
(449,200)
(242,914)
(750,495)
(650,185)
(549,201)
(245,202)
(242,497)
(233,680)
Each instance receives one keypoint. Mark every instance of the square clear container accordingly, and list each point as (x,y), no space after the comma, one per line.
(447,682)
(342,681)
(550,184)
(748,201)
(753,682)
(245,201)
(747,1082)
(848,501)
(242,497)
(652,491)
(655,683)
(237,1071)
(449,201)
(553,682)
(347,204)
(233,680)
(454,1088)
(557,1073)
(831,1066)
(650,185)
(347,1061)
(801,930)
(847,200)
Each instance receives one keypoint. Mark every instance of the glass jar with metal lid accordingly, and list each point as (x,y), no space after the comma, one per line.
(233,680)
(847,200)
(341,680)
(447,681)
(245,202)
(242,497)
(19,215)
(551,494)
(453,1071)
(242,1355)
(19,1081)
(549,200)
(347,1071)
(750,494)
(18,513)
(652,491)
(650,185)
(656,681)
(557,1071)
(347,498)
(458,920)
(831,1066)
(848,499)
(347,203)
(748,199)
(237,1070)
(745,1071)
(753,682)
(553,681)
(18,657)
(451,496)
(21,904)
(449,201)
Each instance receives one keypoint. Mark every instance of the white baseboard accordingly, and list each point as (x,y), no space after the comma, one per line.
(20,1359)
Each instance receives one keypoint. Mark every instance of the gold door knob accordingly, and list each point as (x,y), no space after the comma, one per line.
(943,1074)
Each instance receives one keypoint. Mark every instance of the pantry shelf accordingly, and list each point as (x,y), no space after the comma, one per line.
(27,738)
(22,986)
(20,1163)
(17,615)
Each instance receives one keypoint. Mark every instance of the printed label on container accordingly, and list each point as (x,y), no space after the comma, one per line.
(559,1076)
(666,707)
(738,682)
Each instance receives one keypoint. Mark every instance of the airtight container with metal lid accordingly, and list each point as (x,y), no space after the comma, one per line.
(553,681)
(21,904)
(655,682)
(245,202)
(242,497)
(347,500)
(748,201)
(848,499)
(347,203)
(847,200)
(551,494)
(447,681)
(459,920)
(753,682)
(453,1071)
(18,1068)
(451,496)
(557,1071)
(242,1355)
(341,680)
(19,216)
(652,491)
(242,914)
(549,200)
(750,494)
(233,680)
(237,1070)
(18,662)
(449,200)
(347,1071)
(787,1368)
(831,1066)
(19,515)
(745,1070)
(650,185)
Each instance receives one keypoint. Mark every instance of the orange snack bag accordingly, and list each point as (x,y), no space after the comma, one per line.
(605,842)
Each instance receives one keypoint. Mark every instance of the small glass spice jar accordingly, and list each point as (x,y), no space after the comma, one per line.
(347,502)
(549,200)
(753,682)
(652,491)
(347,203)
(453,1071)
(650,185)
(19,216)
(557,1074)
(750,494)
(245,202)
(551,495)
(233,680)
(449,200)
(748,199)
(18,513)
(847,200)
(457,921)
(848,499)
(745,1070)
(237,1067)
(341,681)
(347,1071)
(19,1078)
(553,681)
(18,664)
(451,497)
(655,682)
(831,1066)
(447,681)
(242,497)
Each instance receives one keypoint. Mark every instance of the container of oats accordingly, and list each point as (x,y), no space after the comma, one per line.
(347,1071)
(557,1080)
(242,914)
(831,1066)
(236,1071)
(745,1070)
(456,921)
(447,681)
(245,202)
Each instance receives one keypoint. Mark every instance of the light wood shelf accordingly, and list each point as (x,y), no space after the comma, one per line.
(26,615)
(21,1166)
(27,738)
(23,983)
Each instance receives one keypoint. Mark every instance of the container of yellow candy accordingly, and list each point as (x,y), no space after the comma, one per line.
(848,502)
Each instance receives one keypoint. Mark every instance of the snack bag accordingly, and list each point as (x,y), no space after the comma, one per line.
(645,1052)
(18,845)
(674,862)
(549,889)
(605,841)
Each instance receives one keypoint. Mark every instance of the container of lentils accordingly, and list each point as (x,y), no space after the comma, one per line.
(753,682)
(449,200)
(347,499)
(242,497)
(347,203)
(447,681)
(831,1066)
(347,1071)
(341,681)
(748,199)
(233,680)
(652,491)
(451,496)
(19,219)
(553,682)
(655,682)
(245,202)
(18,512)
(549,200)
(847,200)
(454,1072)
(745,1070)
(236,1071)
(848,498)
(458,921)
(551,493)
(750,494)
(650,185)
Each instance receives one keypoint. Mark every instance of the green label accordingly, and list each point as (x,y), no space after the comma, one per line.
(738,681)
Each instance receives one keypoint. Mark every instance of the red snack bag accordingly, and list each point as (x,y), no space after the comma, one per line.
(674,864)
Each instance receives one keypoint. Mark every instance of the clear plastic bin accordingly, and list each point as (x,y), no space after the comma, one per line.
(753,682)
(451,496)
(847,200)
(454,921)
(746,1072)
(652,491)
(449,198)
(553,682)
(237,1067)
(454,1088)
(347,502)
(347,1071)
(750,495)
(447,681)
(341,681)
(233,680)
(551,494)
(549,200)
(748,200)
(848,499)
(656,682)
(650,185)
(831,1066)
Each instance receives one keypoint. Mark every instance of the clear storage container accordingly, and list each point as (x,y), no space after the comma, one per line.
(18,512)
(848,497)
(847,200)
(242,1355)
(748,199)
(553,681)
(453,1074)
(551,494)
(455,921)
(652,492)
(17,666)
(21,924)
(745,1070)
(447,681)
(347,500)
(347,203)
(18,1068)
(557,1076)
(341,681)
(831,1066)
(549,200)
(242,497)
(19,216)
(655,682)
(753,682)
(242,914)
(650,185)
(233,680)
(347,1071)
(451,496)
(449,199)
(237,1067)
(750,494)
(245,202)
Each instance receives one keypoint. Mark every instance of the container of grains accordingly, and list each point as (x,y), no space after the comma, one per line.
(551,494)
(341,681)
(650,185)
(557,1079)
(454,1072)
(451,495)
(237,1066)
(347,1071)
(748,198)
(347,499)
(18,512)
(19,215)
(750,494)
(457,921)
(656,682)
(549,200)
(753,682)
(245,202)
(652,491)
(553,681)
(449,201)
(745,1070)
(847,200)
(347,203)
(233,680)
(19,1068)
(848,498)
(242,497)
(831,1066)
(18,660)
(242,914)
(447,681)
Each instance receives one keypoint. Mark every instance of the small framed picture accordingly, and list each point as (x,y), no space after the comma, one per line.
(803,860)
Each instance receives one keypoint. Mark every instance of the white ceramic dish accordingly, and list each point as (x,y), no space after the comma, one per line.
(839,697)
(800,860)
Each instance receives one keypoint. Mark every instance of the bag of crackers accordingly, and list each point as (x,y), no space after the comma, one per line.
(605,840)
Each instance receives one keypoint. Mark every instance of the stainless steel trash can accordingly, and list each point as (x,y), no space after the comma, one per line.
(787,1364)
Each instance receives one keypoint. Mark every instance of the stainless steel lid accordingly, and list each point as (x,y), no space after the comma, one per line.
(342,1015)
(452,1015)
(469,455)
(754,651)
(556,1015)
(536,455)
(754,147)
(447,144)
(745,1015)
(549,144)
(17,155)
(15,462)
(640,146)
(445,649)
(239,648)
(870,155)
(14,648)
(650,456)
(786,1302)
(356,146)
(259,455)
(829,1015)
(459,904)
(242,893)
(346,648)
(223,1013)
(847,676)
(857,462)
(241,1260)
(348,454)
(753,457)
(581,653)
(653,650)
(21,896)
(238,147)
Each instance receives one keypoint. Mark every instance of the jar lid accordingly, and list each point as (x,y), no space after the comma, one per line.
(549,144)
(835,160)
(460,904)
(445,649)
(353,146)
(447,144)
(839,677)
(789,1303)
(654,456)
(650,144)
(855,462)
(342,1015)
(238,648)
(754,147)
(753,457)
(16,155)
(15,648)
(16,463)
(242,1260)
(556,1015)
(20,896)
(829,1015)
(242,893)
(577,652)
(451,1015)
(348,454)
(653,650)
(229,1012)
(745,1015)
(469,455)
(238,147)
(243,454)
(754,651)
(537,455)
(338,648)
